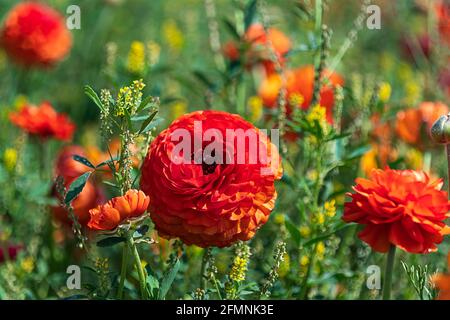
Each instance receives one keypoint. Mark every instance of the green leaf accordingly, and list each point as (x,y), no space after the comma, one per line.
(152,283)
(249,14)
(152,125)
(293,231)
(232,29)
(147,121)
(110,241)
(83,160)
(94,97)
(329,234)
(76,187)
(107,162)
(358,152)
(145,102)
(167,280)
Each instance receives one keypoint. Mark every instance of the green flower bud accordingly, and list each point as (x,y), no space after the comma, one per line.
(440,131)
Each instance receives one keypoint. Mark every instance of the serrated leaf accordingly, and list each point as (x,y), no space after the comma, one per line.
(110,241)
(94,97)
(147,121)
(76,187)
(168,279)
(83,160)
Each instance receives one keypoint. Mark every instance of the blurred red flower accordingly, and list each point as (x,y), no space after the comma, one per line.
(399,207)
(300,89)
(256,42)
(411,123)
(210,204)
(442,282)
(13,250)
(442,9)
(44,122)
(70,169)
(34,34)
(119,209)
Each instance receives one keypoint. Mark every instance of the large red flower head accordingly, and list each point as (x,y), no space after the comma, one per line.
(256,42)
(35,35)
(300,89)
(117,210)
(399,207)
(44,122)
(205,195)
(69,170)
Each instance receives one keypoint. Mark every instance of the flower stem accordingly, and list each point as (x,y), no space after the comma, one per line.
(203,281)
(123,271)
(138,264)
(388,273)
(447,147)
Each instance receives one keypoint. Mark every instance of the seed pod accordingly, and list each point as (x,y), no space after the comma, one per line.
(440,131)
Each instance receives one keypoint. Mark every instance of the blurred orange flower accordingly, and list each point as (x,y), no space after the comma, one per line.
(442,9)
(442,282)
(119,209)
(44,122)
(35,35)
(259,51)
(399,207)
(299,89)
(70,169)
(411,123)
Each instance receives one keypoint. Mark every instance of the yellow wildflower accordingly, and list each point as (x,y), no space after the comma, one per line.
(304,261)
(173,35)
(238,269)
(154,51)
(319,218)
(296,99)
(10,159)
(279,219)
(330,208)
(136,58)
(320,250)
(27,264)
(255,106)
(179,108)
(384,92)
(305,231)
(285,266)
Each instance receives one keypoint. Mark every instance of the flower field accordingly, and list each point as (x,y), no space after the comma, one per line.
(224,150)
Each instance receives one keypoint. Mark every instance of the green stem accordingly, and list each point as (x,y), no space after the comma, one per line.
(305,289)
(203,279)
(138,264)
(123,271)
(388,273)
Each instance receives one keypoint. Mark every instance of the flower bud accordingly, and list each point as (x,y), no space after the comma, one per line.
(440,131)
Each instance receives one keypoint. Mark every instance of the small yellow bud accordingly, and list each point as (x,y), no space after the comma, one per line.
(10,159)
(304,260)
(305,231)
(384,92)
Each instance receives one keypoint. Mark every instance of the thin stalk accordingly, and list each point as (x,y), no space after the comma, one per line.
(138,264)
(305,289)
(388,273)
(123,271)
(203,279)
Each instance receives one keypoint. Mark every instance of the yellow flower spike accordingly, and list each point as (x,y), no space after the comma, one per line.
(136,58)
(320,250)
(304,261)
(154,52)
(27,264)
(255,106)
(319,218)
(296,99)
(238,269)
(330,208)
(384,92)
(173,35)
(305,231)
(10,159)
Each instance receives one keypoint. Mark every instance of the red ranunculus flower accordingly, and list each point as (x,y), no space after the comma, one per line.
(204,201)
(399,207)
(35,35)
(70,169)
(44,122)
(119,209)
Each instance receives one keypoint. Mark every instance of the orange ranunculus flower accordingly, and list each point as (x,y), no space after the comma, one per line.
(442,282)
(44,122)
(35,35)
(411,123)
(119,209)
(255,42)
(70,169)
(211,203)
(299,89)
(399,207)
